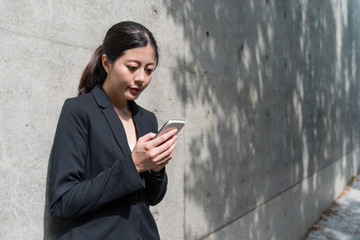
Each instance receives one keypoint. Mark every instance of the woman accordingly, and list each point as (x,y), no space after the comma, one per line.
(106,167)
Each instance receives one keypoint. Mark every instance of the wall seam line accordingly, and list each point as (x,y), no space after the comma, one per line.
(26,35)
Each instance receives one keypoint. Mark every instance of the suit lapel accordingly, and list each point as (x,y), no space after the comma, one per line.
(112,118)
(137,118)
(117,128)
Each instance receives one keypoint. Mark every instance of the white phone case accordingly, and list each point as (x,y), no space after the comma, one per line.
(171,124)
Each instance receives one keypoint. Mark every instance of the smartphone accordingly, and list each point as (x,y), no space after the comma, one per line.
(171,124)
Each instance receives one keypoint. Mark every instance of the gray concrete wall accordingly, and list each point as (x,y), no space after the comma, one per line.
(269,90)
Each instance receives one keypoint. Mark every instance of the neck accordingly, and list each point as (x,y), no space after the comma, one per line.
(123,113)
(119,103)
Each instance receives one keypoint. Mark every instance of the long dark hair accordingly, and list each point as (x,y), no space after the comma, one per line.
(119,38)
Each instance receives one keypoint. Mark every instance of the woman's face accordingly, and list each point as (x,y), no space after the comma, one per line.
(130,74)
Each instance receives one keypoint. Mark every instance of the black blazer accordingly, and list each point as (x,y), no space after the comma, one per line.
(95,186)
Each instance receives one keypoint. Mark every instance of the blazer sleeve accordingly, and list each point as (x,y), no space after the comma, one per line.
(71,193)
(156,187)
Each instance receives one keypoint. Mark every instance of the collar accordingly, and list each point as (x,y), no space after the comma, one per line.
(100,97)
(104,102)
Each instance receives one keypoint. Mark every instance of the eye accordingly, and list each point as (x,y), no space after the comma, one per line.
(132,68)
(149,71)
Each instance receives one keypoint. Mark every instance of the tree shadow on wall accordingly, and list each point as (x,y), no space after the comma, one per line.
(274,89)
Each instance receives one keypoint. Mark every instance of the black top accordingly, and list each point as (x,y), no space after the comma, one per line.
(95,186)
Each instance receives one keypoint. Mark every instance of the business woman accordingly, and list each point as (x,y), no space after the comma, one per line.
(106,167)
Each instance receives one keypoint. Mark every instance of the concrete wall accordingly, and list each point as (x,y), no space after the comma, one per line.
(269,90)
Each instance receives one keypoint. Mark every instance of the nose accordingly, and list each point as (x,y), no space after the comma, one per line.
(140,77)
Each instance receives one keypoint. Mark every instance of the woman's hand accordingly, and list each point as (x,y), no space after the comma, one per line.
(154,154)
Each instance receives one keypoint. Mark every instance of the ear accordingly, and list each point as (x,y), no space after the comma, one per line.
(105,63)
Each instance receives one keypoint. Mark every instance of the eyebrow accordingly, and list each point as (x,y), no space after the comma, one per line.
(138,62)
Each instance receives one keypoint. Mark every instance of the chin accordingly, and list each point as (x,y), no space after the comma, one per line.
(133,97)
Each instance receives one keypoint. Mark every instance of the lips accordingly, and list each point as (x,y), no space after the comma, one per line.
(134,90)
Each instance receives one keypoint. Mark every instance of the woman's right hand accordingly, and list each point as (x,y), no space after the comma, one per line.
(150,153)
